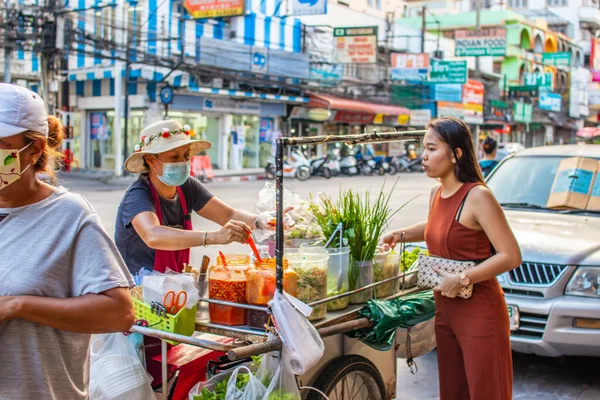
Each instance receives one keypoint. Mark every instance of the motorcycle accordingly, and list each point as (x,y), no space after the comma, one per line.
(408,165)
(383,166)
(321,167)
(366,165)
(348,166)
(298,166)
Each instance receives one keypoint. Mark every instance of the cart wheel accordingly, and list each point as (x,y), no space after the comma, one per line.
(349,378)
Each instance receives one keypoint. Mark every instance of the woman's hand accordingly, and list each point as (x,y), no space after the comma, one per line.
(267,220)
(450,285)
(390,239)
(7,308)
(232,231)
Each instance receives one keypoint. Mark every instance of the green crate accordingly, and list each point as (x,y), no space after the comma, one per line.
(182,323)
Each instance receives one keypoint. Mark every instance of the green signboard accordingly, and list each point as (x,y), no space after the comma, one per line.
(523,112)
(538,79)
(448,71)
(562,59)
(515,92)
(499,104)
(355,31)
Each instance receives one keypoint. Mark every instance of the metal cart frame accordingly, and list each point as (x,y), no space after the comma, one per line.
(334,325)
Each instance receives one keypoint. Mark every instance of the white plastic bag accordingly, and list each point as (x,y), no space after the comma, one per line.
(268,365)
(156,285)
(116,372)
(301,341)
(253,390)
(283,385)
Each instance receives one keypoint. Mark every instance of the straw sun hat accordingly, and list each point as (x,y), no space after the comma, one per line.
(161,137)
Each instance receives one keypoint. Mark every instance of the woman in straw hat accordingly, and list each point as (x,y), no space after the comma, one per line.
(154,221)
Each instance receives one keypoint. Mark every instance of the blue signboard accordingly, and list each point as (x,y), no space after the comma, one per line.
(451,92)
(308,7)
(550,101)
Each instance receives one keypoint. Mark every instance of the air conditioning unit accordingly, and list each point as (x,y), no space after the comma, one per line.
(209,81)
(439,54)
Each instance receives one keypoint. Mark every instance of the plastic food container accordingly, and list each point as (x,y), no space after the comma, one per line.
(261,287)
(227,284)
(337,277)
(311,266)
(386,265)
(235,260)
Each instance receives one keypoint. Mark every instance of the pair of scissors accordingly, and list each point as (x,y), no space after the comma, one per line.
(174,302)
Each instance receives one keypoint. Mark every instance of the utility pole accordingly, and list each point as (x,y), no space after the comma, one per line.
(126,111)
(423,28)
(477,27)
(390,17)
(8,40)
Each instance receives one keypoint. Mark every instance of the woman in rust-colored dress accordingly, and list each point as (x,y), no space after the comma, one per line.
(466,223)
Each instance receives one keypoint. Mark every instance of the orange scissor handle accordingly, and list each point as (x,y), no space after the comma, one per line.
(174,303)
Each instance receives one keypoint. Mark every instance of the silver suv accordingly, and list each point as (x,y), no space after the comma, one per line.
(554,296)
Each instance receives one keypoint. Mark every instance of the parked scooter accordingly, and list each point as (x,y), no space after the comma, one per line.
(320,167)
(349,166)
(408,165)
(366,165)
(383,166)
(298,166)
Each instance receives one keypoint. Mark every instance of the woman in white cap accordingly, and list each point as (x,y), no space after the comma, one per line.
(62,276)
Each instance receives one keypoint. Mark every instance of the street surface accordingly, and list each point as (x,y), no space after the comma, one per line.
(534,377)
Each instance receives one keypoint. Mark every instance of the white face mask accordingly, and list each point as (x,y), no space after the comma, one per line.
(10,166)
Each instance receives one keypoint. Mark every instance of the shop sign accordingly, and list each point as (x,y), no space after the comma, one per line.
(353,117)
(499,104)
(230,106)
(99,129)
(356,45)
(448,71)
(259,59)
(523,112)
(202,9)
(578,96)
(420,117)
(313,114)
(447,92)
(307,7)
(473,92)
(450,109)
(594,97)
(409,67)
(557,59)
(538,79)
(550,101)
(516,92)
(391,120)
(265,130)
(481,42)
(326,72)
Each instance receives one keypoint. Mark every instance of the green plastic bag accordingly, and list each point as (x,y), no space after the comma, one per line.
(389,315)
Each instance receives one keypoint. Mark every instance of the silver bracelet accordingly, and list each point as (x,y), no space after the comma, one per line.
(205,235)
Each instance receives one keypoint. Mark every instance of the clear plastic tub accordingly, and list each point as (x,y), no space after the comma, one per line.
(386,265)
(337,277)
(227,284)
(311,266)
(261,287)
(361,275)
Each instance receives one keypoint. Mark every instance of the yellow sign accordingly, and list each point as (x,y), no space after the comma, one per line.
(201,9)
(378,119)
(319,114)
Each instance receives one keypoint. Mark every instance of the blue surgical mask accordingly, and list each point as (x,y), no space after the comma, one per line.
(175,174)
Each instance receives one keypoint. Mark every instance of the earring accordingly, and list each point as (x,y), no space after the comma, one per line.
(454,161)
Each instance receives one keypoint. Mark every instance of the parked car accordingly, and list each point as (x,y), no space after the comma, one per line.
(506,149)
(554,296)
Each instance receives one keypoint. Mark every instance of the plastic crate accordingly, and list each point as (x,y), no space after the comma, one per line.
(182,323)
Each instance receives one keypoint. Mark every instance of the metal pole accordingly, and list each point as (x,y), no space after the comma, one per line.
(423,28)
(163,364)
(477,26)
(279,215)
(7,48)
(126,111)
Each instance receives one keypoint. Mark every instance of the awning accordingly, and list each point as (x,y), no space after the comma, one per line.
(357,112)
(589,133)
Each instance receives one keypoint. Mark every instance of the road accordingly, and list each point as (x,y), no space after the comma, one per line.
(534,377)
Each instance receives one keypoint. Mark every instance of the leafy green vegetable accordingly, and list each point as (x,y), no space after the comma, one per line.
(278,395)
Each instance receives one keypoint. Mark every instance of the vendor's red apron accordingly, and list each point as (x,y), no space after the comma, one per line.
(164,259)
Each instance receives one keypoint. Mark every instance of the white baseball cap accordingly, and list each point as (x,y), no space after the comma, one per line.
(21,110)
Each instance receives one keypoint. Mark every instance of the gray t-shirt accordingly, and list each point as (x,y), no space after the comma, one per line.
(54,248)
(138,199)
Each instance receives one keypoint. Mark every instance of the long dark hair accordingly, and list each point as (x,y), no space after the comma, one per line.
(456,135)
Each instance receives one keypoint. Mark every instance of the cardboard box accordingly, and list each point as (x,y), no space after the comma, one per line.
(594,202)
(573,183)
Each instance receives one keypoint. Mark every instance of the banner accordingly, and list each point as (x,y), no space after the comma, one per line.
(482,42)
(356,45)
(473,92)
(523,112)
(450,109)
(409,66)
(202,9)
(420,117)
(307,7)
(450,92)
(515,92)
(550,101)
(99,129)
(538,79)
(259,60)
(448,71)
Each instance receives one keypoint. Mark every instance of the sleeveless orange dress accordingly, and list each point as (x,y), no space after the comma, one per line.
(473,335)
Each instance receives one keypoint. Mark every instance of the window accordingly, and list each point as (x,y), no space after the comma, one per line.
(378,4)
(557,3)
(370,2)
(497,67)
(518,3)
(485,4)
